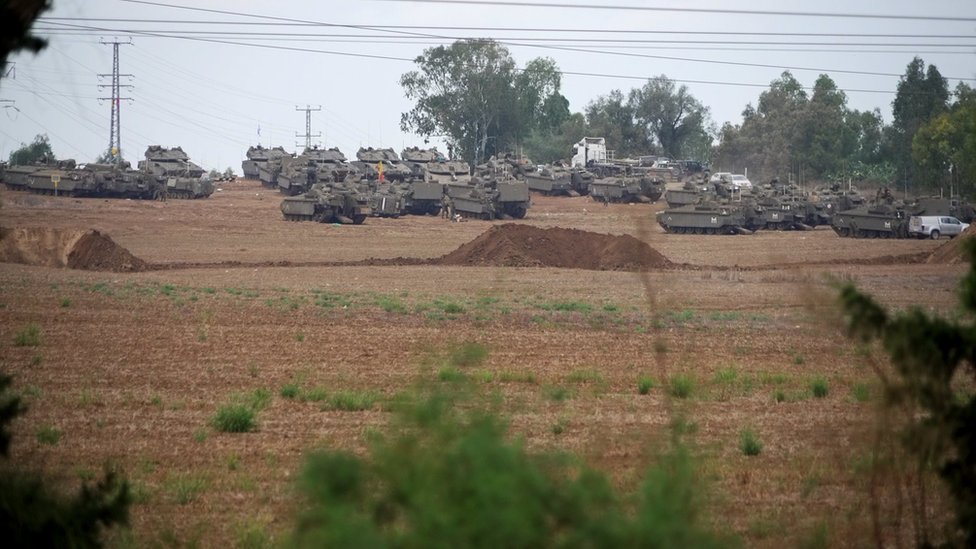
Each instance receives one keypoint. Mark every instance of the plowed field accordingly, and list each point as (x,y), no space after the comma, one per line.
(131,366)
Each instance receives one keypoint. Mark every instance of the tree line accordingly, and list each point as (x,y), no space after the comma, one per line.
(472,94)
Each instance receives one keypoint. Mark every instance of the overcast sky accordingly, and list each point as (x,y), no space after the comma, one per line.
(211,98)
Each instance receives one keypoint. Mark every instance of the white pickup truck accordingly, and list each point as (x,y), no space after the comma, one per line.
(934,226)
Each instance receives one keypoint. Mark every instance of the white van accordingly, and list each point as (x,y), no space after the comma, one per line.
(934,226)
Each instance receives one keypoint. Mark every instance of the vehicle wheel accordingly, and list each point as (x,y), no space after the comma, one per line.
(518,212)
(935,235)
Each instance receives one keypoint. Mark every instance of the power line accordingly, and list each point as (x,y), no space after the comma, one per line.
(563,5)
(547,30)
(115,126)
(308,125)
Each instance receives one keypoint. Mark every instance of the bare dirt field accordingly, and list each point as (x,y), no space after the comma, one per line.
(132,364)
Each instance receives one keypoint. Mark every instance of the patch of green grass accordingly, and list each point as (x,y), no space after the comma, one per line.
(29,336)
(156,401)
(584,376)
(819,387)
(200,435)
(235,418)
(779,395)
(233,461)
(557,393)
(65,303)
(251,534)
(450,374)
(681,386)
(681,317)
(315,394)
(811,482)
(861,392)
(209,290)
(101,288)
(725,316)
(330,300)
(486,376)
(610,307)
(468,354)
(798,359)
(516,377)
(559,427)
(48,434)
(449,307)
(185,488)
(726,376)
(566,306)
(772,379)
(351,401)
(749,443)
(258,399)
(391,304)
(645,384)
(300,337)
(289,390)
(37,359)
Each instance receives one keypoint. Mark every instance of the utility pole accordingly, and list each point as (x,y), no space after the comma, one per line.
(308,125)
(115,122)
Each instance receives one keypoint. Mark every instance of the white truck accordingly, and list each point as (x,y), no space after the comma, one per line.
(934,226)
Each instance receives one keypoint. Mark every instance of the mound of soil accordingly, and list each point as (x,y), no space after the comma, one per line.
(515,245)
(953,251)
(71,248)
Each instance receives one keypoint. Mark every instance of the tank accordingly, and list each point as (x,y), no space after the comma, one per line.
(258,156)
(705,218)
(163,162)
(882,220)
(328,203)
(417,159)
(369,161)
(690,193)
(424,197)
(269,171)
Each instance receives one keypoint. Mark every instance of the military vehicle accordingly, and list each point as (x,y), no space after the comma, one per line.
(258,156)
(627,189)
(369,161)
(705,218)
(878,220)
(553,179)
(689,193)
(173,169)
(424,197)
(505,198)
(431,165)
(389,199)
(559,180)
(328,203)
(297,174)
(953,207)
(15,176)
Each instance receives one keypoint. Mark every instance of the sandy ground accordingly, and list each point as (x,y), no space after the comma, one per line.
(131,367)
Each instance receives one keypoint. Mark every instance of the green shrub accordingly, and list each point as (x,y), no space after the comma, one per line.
(451,375)
(452,474)
(234,418)
(391,305)
(819,387)
(289,390)
(185,487)
(749,443)
(258,399)
(29,336)
(779,395)
(681,386)
(644,385)
(517,377)
(48,434)
(315,394)
(557,393)
(468,354)
(584,376)
(65,302)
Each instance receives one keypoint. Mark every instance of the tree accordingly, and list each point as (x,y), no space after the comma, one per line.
(932,357)
(670,115)
(612,117)
(34,515)
(472,93)
(825,142)
(945,146)
(922,94)
(549,146)
(16,18)
(37,151)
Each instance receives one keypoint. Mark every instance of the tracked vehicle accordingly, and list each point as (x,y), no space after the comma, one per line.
(873,221)
(369,161)
(257,157)
(706,218)
(328,203)
(627,189)
(506,198)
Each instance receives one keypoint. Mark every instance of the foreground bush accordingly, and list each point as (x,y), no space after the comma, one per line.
(451,478)
(34,515)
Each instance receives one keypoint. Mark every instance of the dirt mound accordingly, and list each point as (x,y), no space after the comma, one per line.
(72,248)
(515,245)
(953,251)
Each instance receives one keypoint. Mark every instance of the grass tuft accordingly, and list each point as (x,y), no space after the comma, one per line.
(644,385)
(681,386)
(234,418)
(48,434)
(749,443)
(30,336)
(819,387)
(468,354)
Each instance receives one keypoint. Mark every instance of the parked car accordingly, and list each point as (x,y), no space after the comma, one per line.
(718,176)
(934,226)
(741,182)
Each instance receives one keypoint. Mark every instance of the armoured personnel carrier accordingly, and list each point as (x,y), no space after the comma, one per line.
(328,203)
(559,180)
(506,198)
(389,199)
(706,218)
(627,189)
(258,156)
(424,197)
(879,220)
(15,176)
